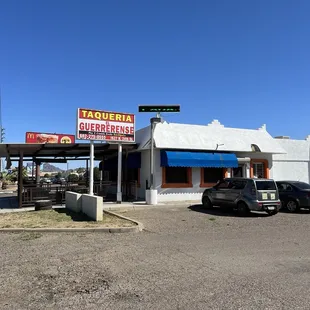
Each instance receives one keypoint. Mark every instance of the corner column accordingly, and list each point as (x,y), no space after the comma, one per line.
(37,172)
(20,180)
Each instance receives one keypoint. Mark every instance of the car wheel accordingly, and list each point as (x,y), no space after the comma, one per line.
(292,206)
(206,203)
(242,209)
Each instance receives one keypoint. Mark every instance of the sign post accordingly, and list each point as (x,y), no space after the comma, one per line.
(95,125)
(91,172)
(119,173)
(151,193)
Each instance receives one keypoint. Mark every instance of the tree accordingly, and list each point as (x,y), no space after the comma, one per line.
(73,178)
(80,170)
(13,176)
(96,174)
(46,175)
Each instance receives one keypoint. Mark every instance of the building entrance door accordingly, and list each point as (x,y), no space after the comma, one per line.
(238,172)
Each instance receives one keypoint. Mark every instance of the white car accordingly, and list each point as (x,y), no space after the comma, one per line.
(45,181)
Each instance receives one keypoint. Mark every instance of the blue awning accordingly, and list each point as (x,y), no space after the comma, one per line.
(198,159)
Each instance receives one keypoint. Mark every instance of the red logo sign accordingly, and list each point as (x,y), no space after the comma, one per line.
(37,137)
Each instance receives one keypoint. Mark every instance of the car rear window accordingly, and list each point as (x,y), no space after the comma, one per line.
(265,185)
(302,185)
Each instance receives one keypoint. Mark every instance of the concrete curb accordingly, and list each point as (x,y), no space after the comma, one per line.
(137,228)
(139,225)
(121,207)
(69,230)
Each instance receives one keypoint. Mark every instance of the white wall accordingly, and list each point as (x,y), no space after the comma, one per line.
(295,164)
(294,171)
(177,194)
(194,193)
(286,166)
(74,201)
(92,206)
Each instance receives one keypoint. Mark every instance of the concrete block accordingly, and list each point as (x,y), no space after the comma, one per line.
(74,201)
(151,196)
(92,206)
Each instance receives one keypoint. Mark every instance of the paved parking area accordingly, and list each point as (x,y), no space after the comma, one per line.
(185,259)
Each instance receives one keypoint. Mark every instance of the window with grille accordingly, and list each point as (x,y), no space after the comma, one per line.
(258,170)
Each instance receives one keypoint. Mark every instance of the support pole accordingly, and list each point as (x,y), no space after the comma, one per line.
(125,174)
(151,193)
(91,172)
(101,175)
(32,170)
(37,172)
(87,173)
(152,157)
(119,174)
(20,180)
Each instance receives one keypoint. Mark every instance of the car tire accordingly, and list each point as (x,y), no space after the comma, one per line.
(292,206)
(242,209)
(206,203)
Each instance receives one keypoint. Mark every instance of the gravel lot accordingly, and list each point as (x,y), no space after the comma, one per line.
(185,259)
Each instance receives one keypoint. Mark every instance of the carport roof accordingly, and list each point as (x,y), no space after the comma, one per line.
(74,150)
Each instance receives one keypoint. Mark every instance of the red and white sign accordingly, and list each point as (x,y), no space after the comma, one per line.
(39,137)
(105,126)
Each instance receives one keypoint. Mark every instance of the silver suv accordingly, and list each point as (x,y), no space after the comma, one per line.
(244,194)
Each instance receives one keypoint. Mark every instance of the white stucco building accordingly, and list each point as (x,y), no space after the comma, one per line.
(189,158)
(295,163)
(214,150)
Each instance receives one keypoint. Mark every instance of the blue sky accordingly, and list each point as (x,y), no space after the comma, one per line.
(242,62)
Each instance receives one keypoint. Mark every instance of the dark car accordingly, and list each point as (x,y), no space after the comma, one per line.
(294,195)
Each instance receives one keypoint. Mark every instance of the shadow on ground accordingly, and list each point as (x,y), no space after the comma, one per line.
(301,211)
(76,217)
(217,211)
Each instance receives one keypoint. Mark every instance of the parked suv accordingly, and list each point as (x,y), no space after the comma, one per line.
(244,194)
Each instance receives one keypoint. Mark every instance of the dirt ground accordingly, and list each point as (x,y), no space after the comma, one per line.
(185,259)
(58,218)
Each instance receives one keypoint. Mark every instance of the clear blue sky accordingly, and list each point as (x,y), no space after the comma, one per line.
(243,62)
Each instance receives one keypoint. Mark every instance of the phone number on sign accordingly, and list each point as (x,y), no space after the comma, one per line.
(127,139)
(102,137)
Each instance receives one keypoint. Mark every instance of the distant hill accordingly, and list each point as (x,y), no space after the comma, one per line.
(50,168)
